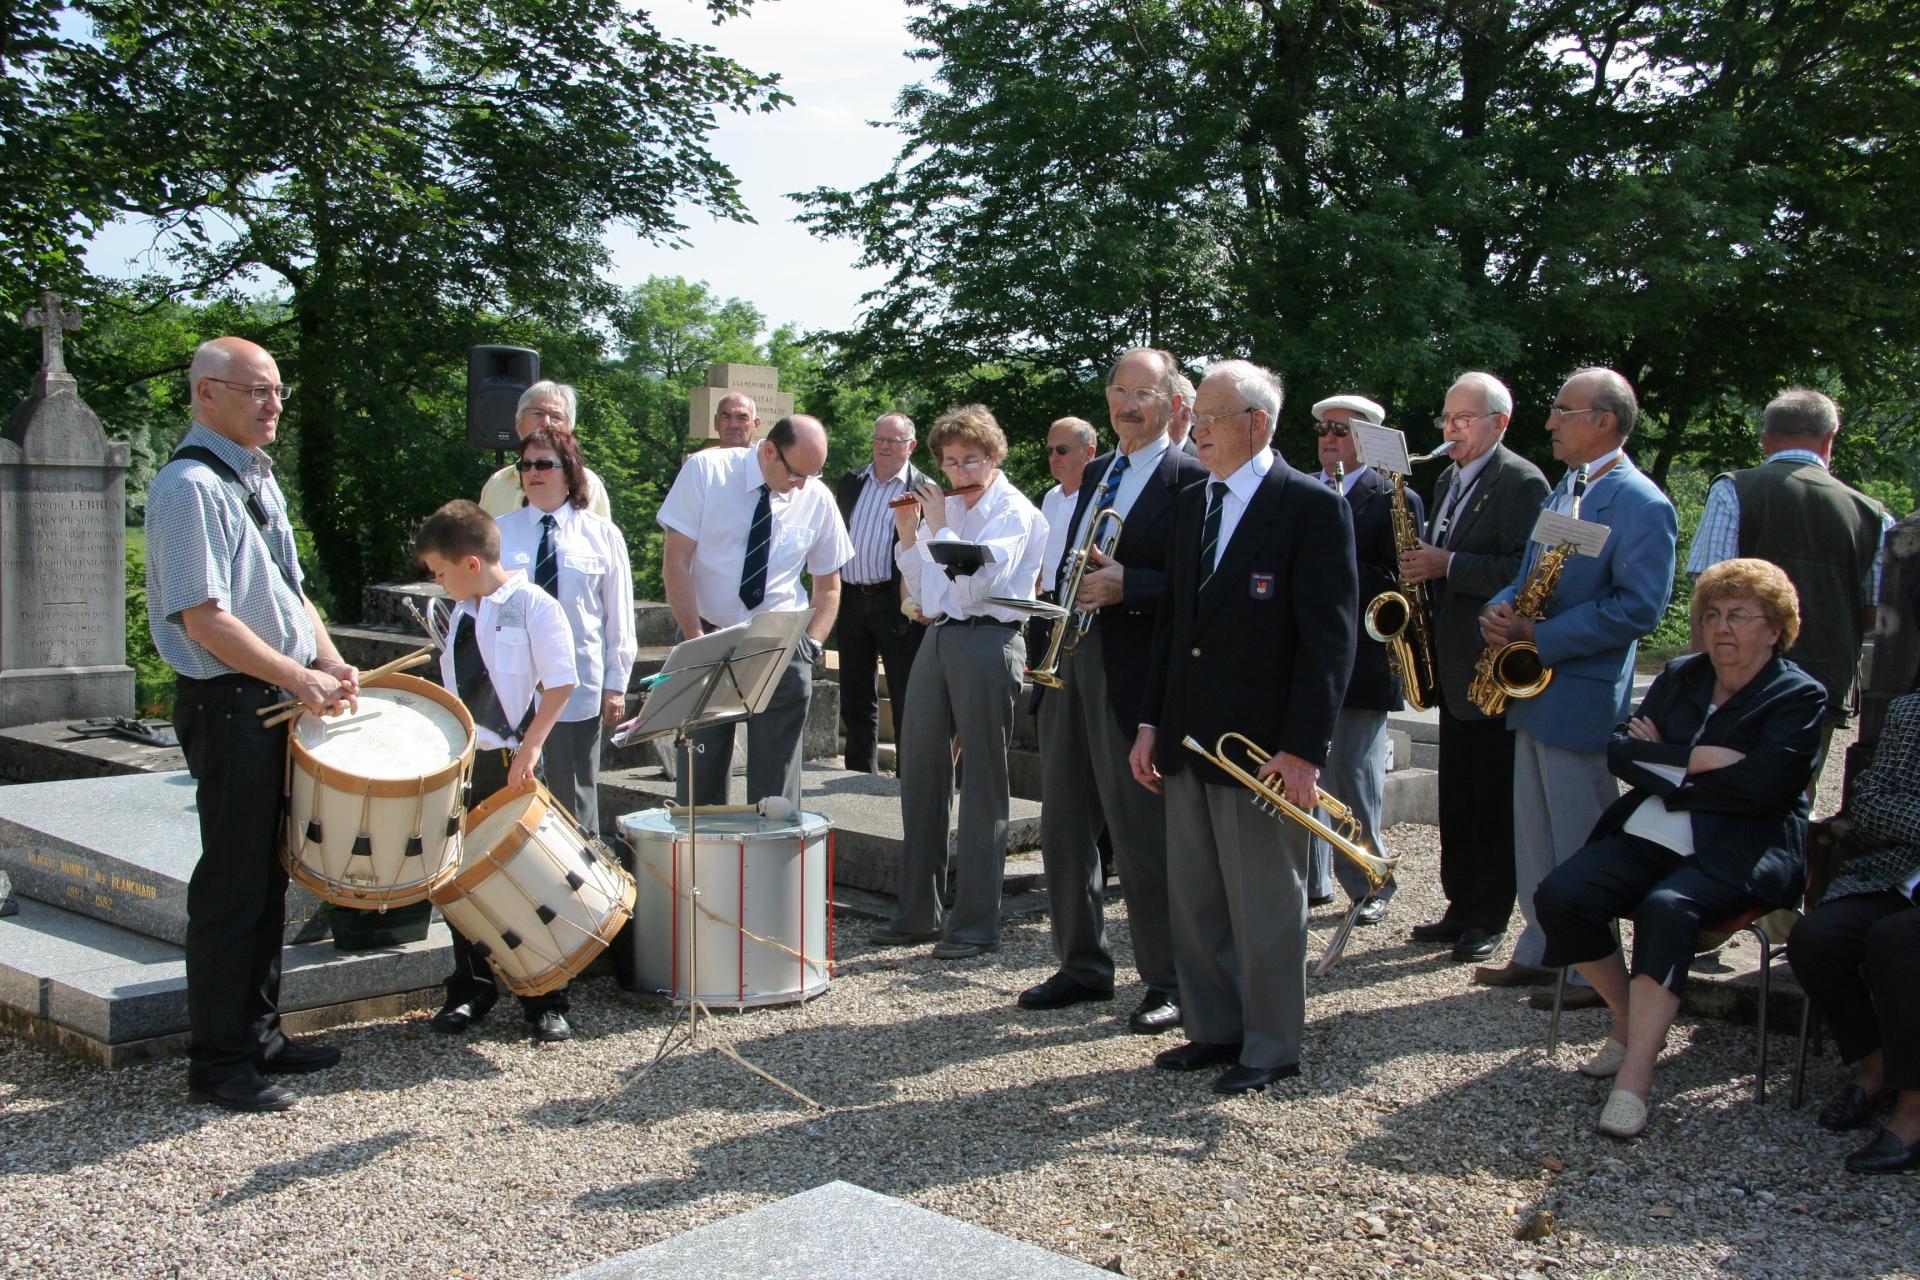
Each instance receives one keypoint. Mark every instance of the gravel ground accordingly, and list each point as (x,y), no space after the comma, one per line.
(1426,1130)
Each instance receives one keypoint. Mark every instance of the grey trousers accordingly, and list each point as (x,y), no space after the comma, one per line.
(1086,783)
(1356,776)
(571,757)
(964,682)
(1557,797)
(774,739)
(1237,883)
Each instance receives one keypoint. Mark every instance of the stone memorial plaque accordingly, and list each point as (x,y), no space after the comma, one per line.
(762,382)
(118,849)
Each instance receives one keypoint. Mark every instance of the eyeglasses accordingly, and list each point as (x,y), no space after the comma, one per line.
(1205,421)
(545,415)
(260,391)
(1338,430)
(798,477)
(891,441)
(1062,450)
(538,464)
(1134,395)
(1461,420)
(973,465)
(1561,411)
(1711,617)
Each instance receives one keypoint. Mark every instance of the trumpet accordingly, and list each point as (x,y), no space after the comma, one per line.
(1075,623)
(1349,840)
(1514,670)
(1398,618)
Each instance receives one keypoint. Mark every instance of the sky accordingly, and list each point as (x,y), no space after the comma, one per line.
(843,62)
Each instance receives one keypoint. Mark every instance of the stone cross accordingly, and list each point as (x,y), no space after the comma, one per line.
(50,319)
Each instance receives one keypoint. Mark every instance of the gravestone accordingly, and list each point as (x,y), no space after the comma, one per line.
(759,381)
(63,600)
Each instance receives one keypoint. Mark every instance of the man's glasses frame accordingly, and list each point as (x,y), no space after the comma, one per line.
(260,391)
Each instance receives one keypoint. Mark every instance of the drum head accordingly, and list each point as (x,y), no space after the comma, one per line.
(396,734)
(499,816)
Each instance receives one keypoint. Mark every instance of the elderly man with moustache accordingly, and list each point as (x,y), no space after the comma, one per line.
(1588,637)
(736,420)
(872,628)
(1255,636)
(1356,772)
(742,525)
(544,404)
(229,613)
(1086,726)
(1484,507)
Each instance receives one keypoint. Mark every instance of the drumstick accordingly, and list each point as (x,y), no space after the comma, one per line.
(293,706)
(900,503)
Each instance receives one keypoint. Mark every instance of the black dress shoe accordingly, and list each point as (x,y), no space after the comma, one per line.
(248,1092)
(1851,1108)
(1475,946)
(1158,1012)
(1238,1079)
(1372,911)
(1061,990)
(458,1015)
(1321,901)
(1194,1055)
(550,1027)
(1885,1154)
(1441,930)
(296,1058)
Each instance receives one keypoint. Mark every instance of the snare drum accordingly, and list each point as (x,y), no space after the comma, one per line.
(762,933)
(374,796)
(534,896)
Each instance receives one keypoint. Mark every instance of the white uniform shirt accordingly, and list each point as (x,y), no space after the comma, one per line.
(1240,490)
(1347,480)
(502,493)
(712,501)
(1057,507)
(525,644)
(1014,534)
(595,591)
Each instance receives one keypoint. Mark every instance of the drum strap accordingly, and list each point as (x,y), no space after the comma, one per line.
(256,512)
(475,687)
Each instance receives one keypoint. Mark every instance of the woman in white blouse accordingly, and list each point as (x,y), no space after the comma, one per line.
(964,683)
(580,559)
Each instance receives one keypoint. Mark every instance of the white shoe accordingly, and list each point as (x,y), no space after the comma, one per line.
(1624,1116)
(1606,1062)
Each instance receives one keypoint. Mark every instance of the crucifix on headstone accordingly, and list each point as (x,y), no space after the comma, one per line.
(51,320)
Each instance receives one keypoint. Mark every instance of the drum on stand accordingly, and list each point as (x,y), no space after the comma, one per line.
(762,932)
(374,797)
(535,896)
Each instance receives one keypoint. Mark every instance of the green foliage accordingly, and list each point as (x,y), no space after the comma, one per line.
(1687,490)
(152,677)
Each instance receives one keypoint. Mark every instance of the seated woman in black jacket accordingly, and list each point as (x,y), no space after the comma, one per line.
(1714,823)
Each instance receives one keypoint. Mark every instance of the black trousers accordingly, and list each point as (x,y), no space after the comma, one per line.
(237,895)
(871,630)
(1476,821)
(472,978)
(1859,958)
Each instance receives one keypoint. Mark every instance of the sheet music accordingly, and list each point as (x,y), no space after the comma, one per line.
(1552,529)
(1382,448)
(749,657)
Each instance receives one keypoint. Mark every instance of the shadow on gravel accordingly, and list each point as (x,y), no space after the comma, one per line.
(340,1158)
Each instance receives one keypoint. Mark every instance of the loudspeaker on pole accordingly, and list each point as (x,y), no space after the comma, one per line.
(495,378)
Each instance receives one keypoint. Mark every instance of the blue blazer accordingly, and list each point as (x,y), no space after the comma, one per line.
(1749,818)
(1604,604)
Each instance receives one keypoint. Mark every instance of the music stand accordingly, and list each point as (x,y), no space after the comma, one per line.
(719,678)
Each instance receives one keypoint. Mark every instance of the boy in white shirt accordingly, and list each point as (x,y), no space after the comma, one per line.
(509,657)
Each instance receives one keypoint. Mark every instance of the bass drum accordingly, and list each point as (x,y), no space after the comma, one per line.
(762,932)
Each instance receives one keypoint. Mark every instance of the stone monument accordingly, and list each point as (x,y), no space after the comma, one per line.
(762,382)
(63,540)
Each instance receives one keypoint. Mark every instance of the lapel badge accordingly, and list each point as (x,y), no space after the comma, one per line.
(1260,586)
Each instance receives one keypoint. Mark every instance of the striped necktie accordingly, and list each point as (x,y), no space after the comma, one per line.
(546,562)
(1210,531)
(753,569)
(1102,500)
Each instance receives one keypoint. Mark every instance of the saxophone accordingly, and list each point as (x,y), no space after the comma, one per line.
(1398,619)
(1513,670)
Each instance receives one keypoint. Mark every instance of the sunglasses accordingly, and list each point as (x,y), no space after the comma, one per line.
(1063,450)
(1336,429)
(538,464)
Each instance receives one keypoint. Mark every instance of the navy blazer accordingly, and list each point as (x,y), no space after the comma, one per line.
(1264,649)
(1749,818)
(1146,537)
(1377,558)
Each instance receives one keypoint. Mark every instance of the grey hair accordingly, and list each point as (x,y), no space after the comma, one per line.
(560,391)
(1258,388)
(753,406)
(905,421)
(1615,395)
(1801,411)
(1083,431)
(1181,386)
(1167,363)
(210,360)
(1493,392)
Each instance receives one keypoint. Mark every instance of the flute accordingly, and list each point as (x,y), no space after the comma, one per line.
(911,498)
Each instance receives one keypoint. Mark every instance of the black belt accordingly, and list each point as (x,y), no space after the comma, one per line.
(231,680)
(978,620)
(872,588)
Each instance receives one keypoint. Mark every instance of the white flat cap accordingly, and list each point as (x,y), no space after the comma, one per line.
(1366,408)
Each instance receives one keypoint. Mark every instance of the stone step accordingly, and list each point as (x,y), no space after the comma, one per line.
(93,988)
(864,809)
